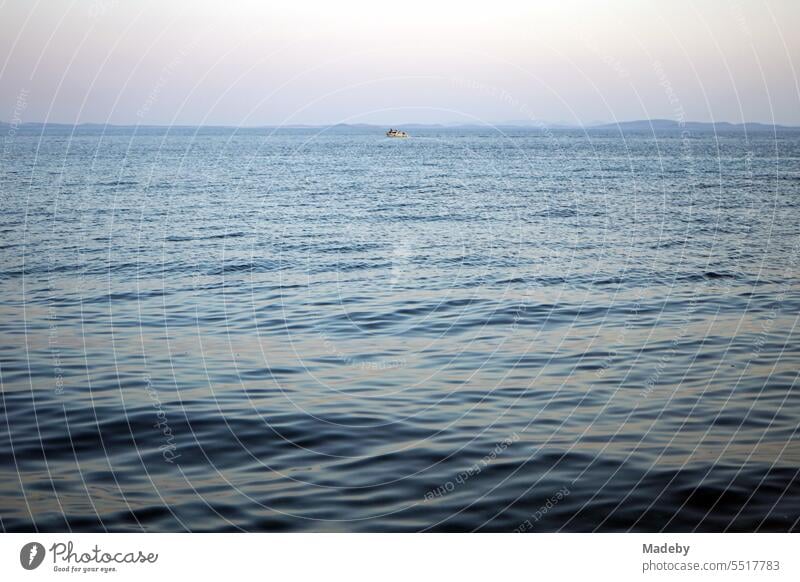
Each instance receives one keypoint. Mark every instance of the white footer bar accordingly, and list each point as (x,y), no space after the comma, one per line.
(400,557)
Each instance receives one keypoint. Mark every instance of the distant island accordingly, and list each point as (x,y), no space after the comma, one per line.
(670,124)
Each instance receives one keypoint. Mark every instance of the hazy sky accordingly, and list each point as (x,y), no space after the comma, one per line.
(252,63)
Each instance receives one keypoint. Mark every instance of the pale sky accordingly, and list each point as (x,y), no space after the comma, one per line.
(256,63)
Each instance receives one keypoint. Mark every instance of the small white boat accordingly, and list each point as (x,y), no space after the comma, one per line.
(396,133)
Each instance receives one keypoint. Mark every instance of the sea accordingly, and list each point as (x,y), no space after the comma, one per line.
(471,329)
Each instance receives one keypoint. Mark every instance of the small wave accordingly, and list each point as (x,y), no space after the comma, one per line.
(260,266)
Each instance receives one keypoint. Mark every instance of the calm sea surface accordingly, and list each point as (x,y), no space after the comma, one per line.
(465,330)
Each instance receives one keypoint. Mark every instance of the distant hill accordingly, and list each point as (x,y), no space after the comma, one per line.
(672,125)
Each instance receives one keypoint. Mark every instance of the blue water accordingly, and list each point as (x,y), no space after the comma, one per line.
(311,330)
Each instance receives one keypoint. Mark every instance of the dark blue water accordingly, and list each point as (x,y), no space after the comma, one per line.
(465,330)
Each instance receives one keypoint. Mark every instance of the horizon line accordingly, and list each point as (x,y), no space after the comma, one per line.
(443,124)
